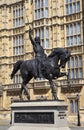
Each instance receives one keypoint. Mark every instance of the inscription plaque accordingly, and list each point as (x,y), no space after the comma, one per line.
(34,117)
(62,115)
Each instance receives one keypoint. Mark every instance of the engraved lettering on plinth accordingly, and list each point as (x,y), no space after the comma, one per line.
(34,117)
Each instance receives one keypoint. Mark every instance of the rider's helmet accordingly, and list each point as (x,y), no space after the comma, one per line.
(37,39)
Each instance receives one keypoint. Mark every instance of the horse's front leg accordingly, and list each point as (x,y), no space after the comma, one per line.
(67,75)
(26,91)
(53,90)
(23,87)
(20,94)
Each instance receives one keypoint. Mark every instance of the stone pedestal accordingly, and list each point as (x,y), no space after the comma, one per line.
(39,115)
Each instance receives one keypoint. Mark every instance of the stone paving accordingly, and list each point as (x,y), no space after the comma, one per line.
(77,128)
(72,128)
(4,125)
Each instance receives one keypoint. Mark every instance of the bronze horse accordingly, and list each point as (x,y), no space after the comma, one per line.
(50,69)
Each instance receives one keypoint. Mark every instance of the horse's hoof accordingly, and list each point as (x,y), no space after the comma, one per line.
(56,98)
(21,99)
(28,97)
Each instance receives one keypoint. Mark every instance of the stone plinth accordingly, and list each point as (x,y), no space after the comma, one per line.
(41,115)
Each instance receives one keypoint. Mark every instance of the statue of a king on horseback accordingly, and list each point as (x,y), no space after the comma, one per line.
(41,66)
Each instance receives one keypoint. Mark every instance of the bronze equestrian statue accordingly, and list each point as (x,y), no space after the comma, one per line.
(41,66)
(50,69)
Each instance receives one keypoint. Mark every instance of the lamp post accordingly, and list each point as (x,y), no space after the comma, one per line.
(78,114)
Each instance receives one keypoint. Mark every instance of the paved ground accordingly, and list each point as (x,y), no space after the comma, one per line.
(77,128)
(72,128)
(4,125)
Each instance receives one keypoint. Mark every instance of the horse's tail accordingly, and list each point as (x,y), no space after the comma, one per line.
(16,68)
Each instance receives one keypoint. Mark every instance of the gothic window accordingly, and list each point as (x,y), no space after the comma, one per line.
(74,40)
(44,38)
(74,28)
(67,30)
(46,12)
(68,43)
(73,34)
(75,67)
(66,1)
(71,31)
(77,73)
(72,6)
(41,9)
(18,45)
(17,78)
(79,39)
(67,11)
(47,38)
(72,62)
(42,33)
(76,61)
(18,16)
(72,74)
(80,61)
(78,28)
(73,106)
(78,6)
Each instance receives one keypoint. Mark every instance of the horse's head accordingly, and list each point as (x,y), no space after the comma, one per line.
(64,58)
(60,54)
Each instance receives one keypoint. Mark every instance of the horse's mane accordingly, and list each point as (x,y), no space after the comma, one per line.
(58,51)
(53,53)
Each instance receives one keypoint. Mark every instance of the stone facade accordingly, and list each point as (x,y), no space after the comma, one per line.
(60,24)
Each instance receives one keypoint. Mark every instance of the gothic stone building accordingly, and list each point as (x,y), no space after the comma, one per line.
(59,23)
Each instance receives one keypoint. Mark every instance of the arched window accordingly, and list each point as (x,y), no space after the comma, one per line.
(76,106)
(67,11)
(67,30)
(72,63)
(80,73)
(71,106)
(72,73)
(69,64)
(78,39)
(77,75)
(76,61)
(66,1)
(74,40)
(74,7)
(71,30)
(74,28)
(78,6)
(80,61)
(78,27)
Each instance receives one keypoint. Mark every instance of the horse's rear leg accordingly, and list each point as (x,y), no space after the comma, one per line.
(26,92)
(23,87)
(53,90)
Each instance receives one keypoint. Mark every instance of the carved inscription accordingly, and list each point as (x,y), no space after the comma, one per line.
(62,115)
(34,117)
